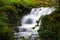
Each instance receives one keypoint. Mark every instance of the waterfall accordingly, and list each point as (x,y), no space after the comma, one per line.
(30,20)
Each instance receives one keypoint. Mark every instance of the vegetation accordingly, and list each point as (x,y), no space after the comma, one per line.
(50,26)
(11,12)
(6,34)
(15,9)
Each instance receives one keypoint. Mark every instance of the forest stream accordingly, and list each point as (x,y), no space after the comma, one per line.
(31,23)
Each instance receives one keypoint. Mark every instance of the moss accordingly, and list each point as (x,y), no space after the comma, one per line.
(6,33)
(50,26)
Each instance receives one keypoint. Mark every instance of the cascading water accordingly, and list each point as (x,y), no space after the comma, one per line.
(30,20)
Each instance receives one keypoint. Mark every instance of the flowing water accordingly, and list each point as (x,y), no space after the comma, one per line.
(31,23)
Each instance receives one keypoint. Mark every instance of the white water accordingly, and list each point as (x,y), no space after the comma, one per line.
(29,20)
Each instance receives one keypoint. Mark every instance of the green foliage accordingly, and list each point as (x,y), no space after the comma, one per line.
(52,3)
(50,26)
(6,33)
(3,20)
(15,9)
(11,12)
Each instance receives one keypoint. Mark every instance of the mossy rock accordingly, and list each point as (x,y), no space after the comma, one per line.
(50,26)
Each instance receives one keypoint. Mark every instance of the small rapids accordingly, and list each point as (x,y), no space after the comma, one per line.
(31,20)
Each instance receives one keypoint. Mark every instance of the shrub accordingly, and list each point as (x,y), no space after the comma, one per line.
(6,34)
(50,26)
